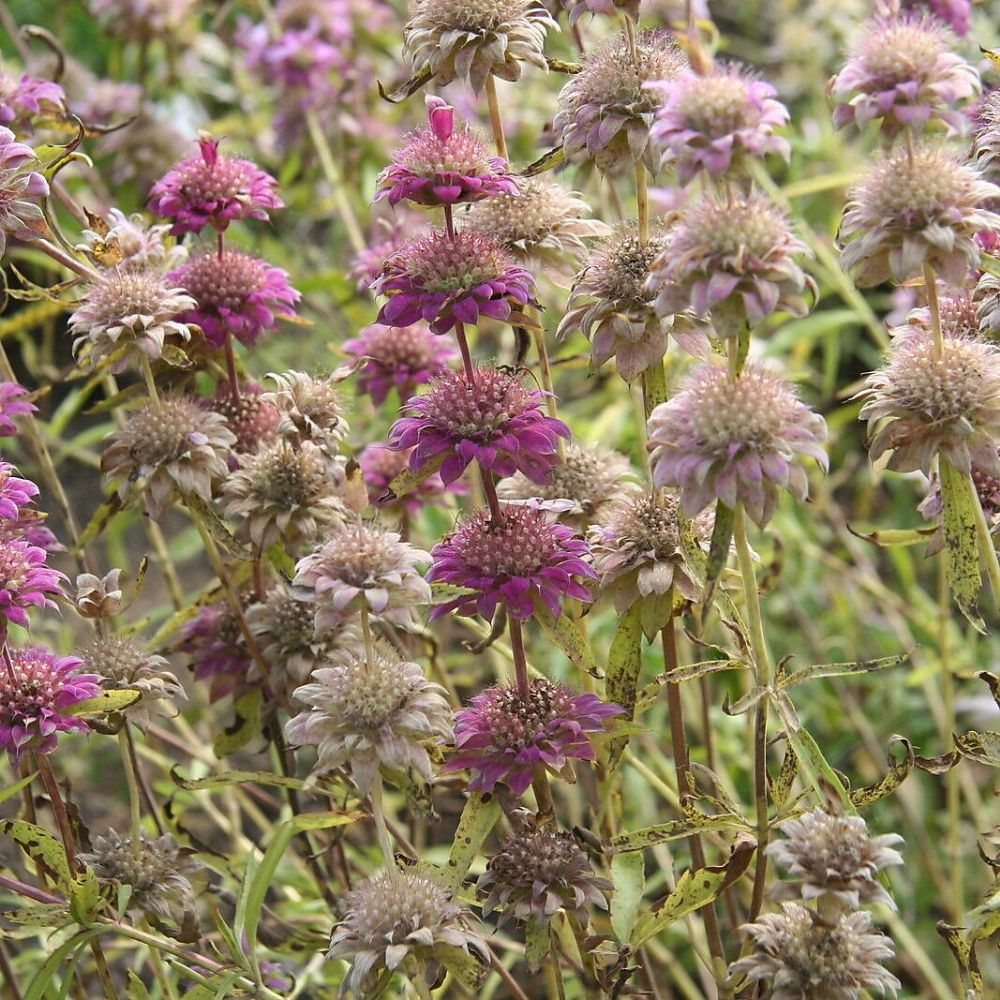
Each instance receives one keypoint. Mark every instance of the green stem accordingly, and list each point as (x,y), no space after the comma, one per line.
(147,376)
(642,202)
(545,371)
(987,548)
(134,811)
(381,830)
(930,286)
(366,633)
(952,786)
(496,122)
(336,181)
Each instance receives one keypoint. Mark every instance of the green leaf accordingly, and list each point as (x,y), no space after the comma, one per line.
(547,161)
(441,593)
(98,521)
(898,770)
(468,967)
(961,551)
(40,846)
(12,790)
(536,943)
(895,537)
(478,818)
(781,787)
(407,481)
(42,980)
(965,954)
(984,748)
(718,550)
(244,727)
(675,829)
(571,637)
(103,704)
(136,988)
(407,89)
(628,874)
(841,669)
(624,664)
(694,890)
(85,900)
(40,915)
(688,672)
(205,514)
(227,778)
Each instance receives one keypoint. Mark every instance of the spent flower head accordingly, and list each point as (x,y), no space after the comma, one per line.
(473,39)
(733,259)
(903,70)
(209,188)
(517,559)
(98,596)
(914,209)
(444,281)
(738,440)
(716,121)
(442,166)
(502,737)
(494,420)
(37,688)
(398,919)
(309,409)
(369,710)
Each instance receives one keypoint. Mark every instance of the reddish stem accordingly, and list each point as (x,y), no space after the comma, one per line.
(463,346)
(520,662)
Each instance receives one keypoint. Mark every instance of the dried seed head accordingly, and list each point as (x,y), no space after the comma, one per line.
(98,597)
(309,409)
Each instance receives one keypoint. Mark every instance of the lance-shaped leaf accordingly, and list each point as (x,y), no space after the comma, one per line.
(650,836)
(570,636)
(965,954)
(228,778)
(628,875)
(407,89)
(983,748)
(548,161)
(624,664)
(479,816)
(894,536)
(687,672)
(407,481)
(40,846)
(536,942)
(961,551)
(203,512)
(718,549)
(780,788)
(244,727)
(103,704)
(694,890)
(898,770)
(785,680)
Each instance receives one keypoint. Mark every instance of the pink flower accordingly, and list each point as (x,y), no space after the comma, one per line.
(400,357)
(447,281)
(496,422)
(517,560)
(12,405)
(25,580)
(236,294)
(439,166)
(957,14)
(22,99)
(501,738)
(14,493)
(299,59)
(36,686)
(712,122)
(209,189)
(20,215)
(218,653)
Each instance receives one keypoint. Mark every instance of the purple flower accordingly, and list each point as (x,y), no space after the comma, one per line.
(903,71)
(380,465)
(218,652)
(14,493)
(495,421)
(12,405)
(403,357)
(517,560)
(236,294)
(711,122)
(22,99)
(447,281)
(734,440)
(957,14)
(35,687)
(20,216)
(25,580)
(366,265)
(209,189)
(298,59)
(439,166)
(501,738)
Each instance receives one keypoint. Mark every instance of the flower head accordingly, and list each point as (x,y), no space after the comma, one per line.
(494,421)
(308,408)
(215,644)
(539,872)
(638,553)
(284,626)
(98,596)
(13,404)
(170,447)
(142,20)
(606,110)
(514,560)
(251,418)
(121,662)
(612,306)
(20,215)
(400,357)
(129,240)
(543,227)
(445,281)
(126,312)
(798,954)
(361,565)
(715,121)
(471,39)
(733,259)
(914,210)
(284,492)
(987,297)
(363,715)
(441,166)
(922,403)
(25,579)
(904,71)
(380,465)
(36,687)
(957,313)
(957,14)
(501,737)
(235,294)
(734,440)
(832,854)
(15,492)
(156,870)
(209,188)
(398,915)
(26,97)
(589,476)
